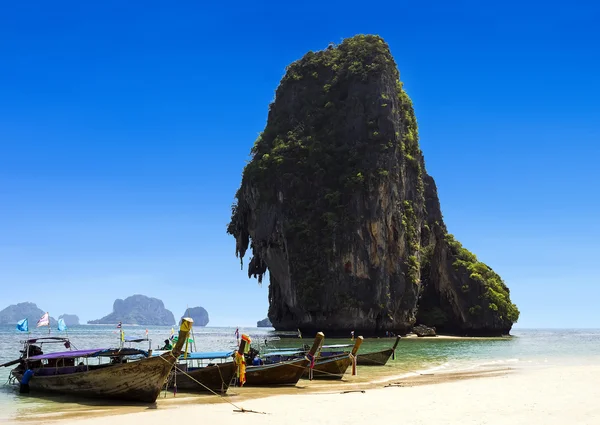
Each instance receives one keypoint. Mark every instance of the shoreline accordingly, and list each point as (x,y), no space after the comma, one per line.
(424,367)
(85,410)
(487,394)
(546,395)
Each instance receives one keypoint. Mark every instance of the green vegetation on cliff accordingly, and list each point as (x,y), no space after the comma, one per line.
(496,292)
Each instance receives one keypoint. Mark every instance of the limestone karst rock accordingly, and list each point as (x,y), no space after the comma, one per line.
(138,310)
(199,314)
(337,205)
(26,310)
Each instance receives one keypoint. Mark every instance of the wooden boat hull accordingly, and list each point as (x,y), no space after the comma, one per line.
(378,358)
(139,380)
(330,367)
(285,373)
(213,379)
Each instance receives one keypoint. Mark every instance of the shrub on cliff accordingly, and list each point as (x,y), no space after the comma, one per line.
(496,292)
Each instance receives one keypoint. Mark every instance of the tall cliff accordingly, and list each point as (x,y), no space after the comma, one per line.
(337,205)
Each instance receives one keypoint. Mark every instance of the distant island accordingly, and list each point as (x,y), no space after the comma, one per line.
(26,310)
(199,314)
(138,310)
(70,319)
(264,323)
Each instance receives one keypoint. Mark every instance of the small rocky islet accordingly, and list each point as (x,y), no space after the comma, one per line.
(264,323)
(135,310)
(12,314)
(143,310)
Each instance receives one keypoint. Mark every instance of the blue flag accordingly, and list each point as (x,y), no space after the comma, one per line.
(62,325)
(23,325)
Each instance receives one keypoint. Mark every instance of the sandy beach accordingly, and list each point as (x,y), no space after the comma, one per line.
(541,395)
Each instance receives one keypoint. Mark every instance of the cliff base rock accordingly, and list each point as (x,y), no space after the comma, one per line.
(422,330)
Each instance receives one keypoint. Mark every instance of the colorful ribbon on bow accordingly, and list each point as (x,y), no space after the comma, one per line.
(241,368)
(248,342)
(310,357)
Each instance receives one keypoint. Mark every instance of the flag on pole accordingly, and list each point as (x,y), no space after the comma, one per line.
(44,320)
(23,325)
(122,336)
(62,326)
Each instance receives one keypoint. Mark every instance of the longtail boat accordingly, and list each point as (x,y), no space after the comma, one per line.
(121,379)
(190,374)
(334,367)
(283,373)
(377,358)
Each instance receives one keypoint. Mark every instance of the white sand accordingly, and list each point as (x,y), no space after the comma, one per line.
(554,395)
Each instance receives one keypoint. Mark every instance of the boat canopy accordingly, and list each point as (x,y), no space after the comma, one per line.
(209,356)
(132,339)
(201,355)
(278,350)
(337,346)
(96,352)
(46,339)
(119,352)
(272,350)
(283,353)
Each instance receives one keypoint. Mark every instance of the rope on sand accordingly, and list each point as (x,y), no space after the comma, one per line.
(237,408)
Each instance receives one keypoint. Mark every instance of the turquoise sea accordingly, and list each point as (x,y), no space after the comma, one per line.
(526,348)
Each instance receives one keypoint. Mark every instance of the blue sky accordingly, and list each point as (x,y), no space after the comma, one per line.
(124,128)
